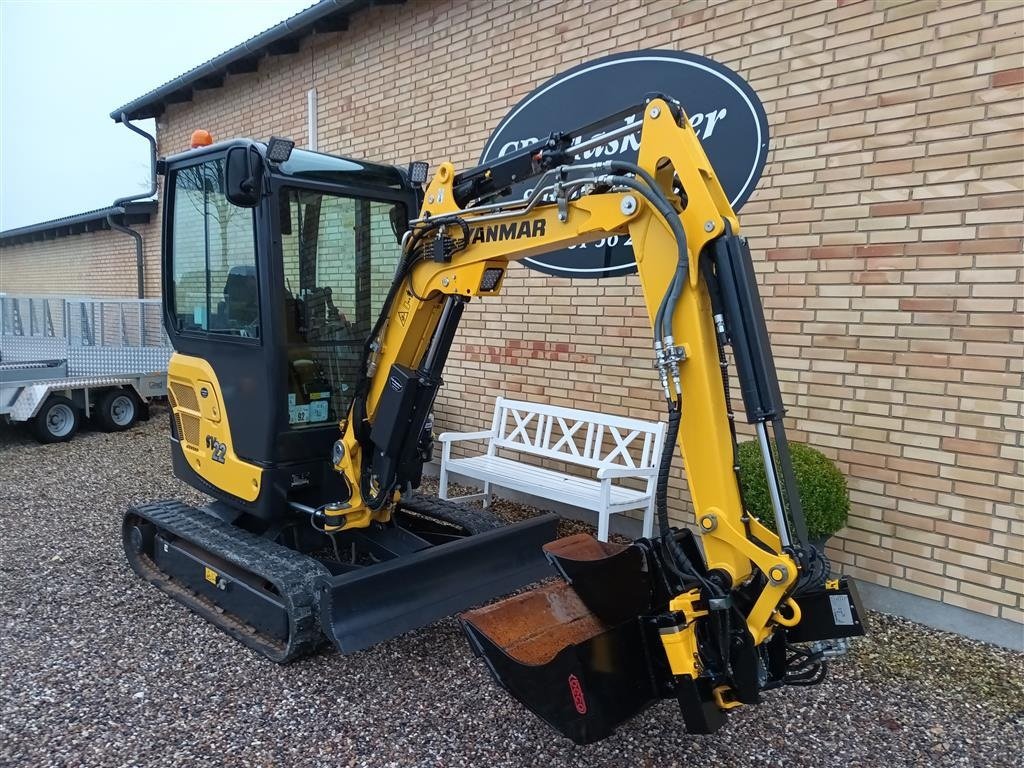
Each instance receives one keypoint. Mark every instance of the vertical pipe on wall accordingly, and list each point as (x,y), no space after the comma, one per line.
(121,202)
(311,122)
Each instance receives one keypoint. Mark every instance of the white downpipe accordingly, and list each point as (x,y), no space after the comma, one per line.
(311,122)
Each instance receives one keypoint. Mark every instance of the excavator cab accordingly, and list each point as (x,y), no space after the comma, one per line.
(275,288)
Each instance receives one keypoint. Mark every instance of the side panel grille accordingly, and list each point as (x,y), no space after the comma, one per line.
(185,396)
(189,426)
(186,412)
(180,429)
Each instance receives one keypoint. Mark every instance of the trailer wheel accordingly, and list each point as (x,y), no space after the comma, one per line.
(57,421)
(117,410)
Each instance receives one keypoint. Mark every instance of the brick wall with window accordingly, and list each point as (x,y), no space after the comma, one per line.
(887,232)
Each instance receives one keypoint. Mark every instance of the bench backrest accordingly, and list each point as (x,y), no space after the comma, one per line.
(579,437)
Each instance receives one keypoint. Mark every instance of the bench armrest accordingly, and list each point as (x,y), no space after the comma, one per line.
(454,437)
(607,473)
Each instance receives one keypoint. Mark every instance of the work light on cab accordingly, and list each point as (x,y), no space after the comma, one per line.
(418,171)
(279,150)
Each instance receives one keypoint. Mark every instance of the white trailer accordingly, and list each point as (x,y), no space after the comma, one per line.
(63,359)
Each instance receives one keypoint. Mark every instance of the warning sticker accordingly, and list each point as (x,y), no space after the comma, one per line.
(318,411)
(842,613)
(311,412)
(210,575)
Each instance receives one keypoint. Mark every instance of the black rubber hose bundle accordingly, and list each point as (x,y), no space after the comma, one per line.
(653,193)
(672,551)
(661,491)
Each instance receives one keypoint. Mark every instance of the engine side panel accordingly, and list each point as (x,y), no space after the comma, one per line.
(204,435)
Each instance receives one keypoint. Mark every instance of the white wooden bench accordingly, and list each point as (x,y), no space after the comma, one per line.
(617,448)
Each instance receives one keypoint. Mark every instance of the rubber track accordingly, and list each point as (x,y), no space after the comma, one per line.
(469,519)
(292,574)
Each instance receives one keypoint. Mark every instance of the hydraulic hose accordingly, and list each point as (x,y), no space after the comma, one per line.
(674,558)
(674,555)
(661,490)
(672,551)
(662,206)
(675,290)
(666,310)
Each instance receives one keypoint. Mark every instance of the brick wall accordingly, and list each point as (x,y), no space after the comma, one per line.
(93,264)
(887,232)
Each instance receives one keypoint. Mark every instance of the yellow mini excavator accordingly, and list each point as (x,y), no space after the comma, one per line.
(312,301)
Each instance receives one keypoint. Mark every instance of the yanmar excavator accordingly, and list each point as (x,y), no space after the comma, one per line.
(305,292)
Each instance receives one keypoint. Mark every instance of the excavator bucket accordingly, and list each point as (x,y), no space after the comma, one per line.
(586,653)
(367,606)
(582,667)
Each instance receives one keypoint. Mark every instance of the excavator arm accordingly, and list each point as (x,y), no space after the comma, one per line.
(716,615)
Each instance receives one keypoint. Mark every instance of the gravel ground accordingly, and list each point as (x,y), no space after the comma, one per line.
(99,669)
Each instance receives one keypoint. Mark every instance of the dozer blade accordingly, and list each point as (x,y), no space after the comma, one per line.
(364,607)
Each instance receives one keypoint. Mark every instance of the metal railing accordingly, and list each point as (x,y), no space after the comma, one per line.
(95,336)
(84,321)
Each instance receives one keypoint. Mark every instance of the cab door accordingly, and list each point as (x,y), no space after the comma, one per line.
(337,255)
(214,267)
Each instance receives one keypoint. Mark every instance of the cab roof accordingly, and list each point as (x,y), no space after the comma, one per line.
(306,165)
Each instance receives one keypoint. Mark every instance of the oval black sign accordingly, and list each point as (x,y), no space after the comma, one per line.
(724,111)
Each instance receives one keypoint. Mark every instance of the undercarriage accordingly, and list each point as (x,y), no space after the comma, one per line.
(353,589)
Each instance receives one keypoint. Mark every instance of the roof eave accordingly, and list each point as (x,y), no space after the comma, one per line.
(284,38)
(90,221)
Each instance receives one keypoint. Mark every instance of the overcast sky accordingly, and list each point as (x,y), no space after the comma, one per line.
(64,66)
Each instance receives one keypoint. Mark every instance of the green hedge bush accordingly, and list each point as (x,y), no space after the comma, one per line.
(823,492)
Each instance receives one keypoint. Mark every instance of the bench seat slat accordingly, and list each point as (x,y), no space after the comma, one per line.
(577,491)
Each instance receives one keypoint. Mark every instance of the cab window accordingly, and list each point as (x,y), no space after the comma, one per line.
(213,254)
(339,258)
